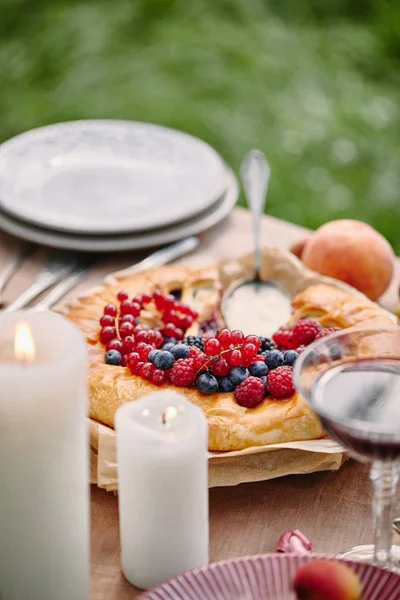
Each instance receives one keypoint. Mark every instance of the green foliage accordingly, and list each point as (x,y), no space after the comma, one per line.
(314,84)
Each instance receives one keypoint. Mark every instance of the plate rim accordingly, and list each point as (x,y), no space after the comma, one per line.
(37,132)
(146,594)
(126,242)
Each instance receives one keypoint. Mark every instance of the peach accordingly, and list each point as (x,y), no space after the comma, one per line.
(298,247)
(327,580)
(353,252)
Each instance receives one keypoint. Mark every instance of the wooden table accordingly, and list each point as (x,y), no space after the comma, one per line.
(332,509)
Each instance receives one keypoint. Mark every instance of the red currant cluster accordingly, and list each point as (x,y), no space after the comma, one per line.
(229,349)
(177,317)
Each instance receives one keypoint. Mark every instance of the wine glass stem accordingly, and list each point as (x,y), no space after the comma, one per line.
(384,477)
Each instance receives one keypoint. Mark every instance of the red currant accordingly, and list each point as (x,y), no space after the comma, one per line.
(126,329)
(114,345)
(126,307)
(137,329)
(146,299)
(128,344)
(123,361)
(234,358)
(138,300)
(111,310)
(158,377)
(132,359)
(220,367)
(183,309)
(237,337)
(144,351)
(146,370)
(224,336)
(136,308)
(159,339)
(128,319)
(170,316)
(200,360)
(107,320)
(151,337)
(136,368)
(158,300)
(169,301)
(178,333)
(212,347)
(249,350)
(169,330)
(258,358)
(141,336)
(186,322)
(122,295)
(107,334)
(253,339)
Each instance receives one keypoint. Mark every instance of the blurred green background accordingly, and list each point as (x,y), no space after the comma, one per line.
(313,83)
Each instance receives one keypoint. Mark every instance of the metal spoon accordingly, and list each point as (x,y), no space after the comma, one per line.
(253,305)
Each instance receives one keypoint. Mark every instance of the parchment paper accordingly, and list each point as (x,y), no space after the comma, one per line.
(226,468)
(252,464)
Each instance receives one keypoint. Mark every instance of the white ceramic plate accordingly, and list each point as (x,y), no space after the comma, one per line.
(135,241)
(108,177)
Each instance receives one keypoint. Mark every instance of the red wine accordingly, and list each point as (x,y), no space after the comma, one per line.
(359,405)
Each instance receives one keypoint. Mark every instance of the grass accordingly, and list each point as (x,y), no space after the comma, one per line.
(315,85)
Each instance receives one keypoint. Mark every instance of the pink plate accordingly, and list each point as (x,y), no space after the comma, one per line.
(264,577)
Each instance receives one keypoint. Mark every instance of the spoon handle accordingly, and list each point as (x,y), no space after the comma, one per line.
(255,172)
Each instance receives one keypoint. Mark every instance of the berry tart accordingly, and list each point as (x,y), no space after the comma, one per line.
(163,329)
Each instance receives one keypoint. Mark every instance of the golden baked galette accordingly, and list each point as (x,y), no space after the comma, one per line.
(162,329)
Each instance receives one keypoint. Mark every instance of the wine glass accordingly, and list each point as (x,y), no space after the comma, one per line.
(352,381)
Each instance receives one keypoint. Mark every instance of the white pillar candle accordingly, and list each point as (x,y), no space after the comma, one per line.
(44,504)
(163,487)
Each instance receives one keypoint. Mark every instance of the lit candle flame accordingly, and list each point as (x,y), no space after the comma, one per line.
(24,346)
(169,413)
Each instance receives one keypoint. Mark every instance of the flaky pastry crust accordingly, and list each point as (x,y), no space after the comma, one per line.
(231,427)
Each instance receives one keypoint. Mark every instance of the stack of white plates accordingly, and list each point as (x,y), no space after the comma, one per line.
(111,186)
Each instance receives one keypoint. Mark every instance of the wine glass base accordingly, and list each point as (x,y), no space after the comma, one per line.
(366,554)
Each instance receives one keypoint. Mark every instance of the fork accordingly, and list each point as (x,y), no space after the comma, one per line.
(10,268)
(56,268)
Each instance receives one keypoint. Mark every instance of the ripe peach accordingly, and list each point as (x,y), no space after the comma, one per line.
(298,247)
(327,580)
(353,252)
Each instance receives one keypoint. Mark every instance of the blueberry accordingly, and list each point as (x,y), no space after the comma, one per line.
(264,380)
(152,355)
(207,383)
(163,360)
(179,351)
(289,357)
(113,357)
(169,340)
(225,385)
(238,374)
(168,346)
(274,359)
(258,369)
(335,352)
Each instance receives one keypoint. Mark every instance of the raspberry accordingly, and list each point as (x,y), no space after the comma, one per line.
(194,351)
(183,372)
(283,338)
(280,382)
(326,332)
(250,392)
(305,330)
